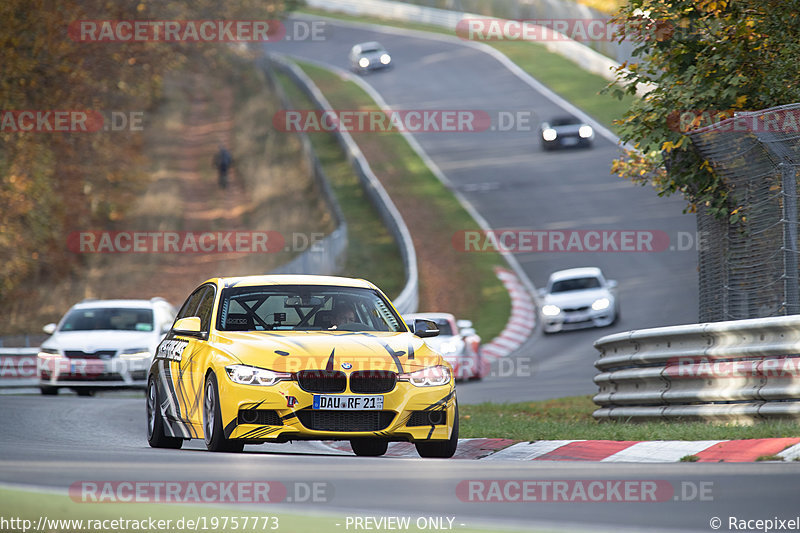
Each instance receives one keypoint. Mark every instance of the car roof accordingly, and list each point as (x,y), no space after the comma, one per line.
(370,45)
(572,273)
(126,303)
(447,316)
(291,279)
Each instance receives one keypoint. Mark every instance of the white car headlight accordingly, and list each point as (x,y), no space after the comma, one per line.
(549,134)
(386,59)
(48,353)
(585,131)
(600,304)
(363,62)
(428,377)
(135,353)
(251,375)
(550,310)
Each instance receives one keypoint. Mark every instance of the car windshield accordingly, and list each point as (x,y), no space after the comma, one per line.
(575,284)
(370,50)
(301,308)
(563,121)
(108,318)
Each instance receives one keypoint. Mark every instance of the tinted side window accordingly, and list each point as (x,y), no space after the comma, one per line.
(190,306)
(205,307)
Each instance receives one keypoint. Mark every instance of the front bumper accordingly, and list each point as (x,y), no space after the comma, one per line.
(286,414)
(567,321)
(59,371)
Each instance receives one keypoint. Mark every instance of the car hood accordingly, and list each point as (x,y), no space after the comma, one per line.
(298,350)
(577,298)
(92,341)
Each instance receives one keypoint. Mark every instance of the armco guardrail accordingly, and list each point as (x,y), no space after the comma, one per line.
(18,367)
(407,300)
(734,371)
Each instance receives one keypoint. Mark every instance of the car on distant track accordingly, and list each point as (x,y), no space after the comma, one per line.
(565,131)
(458,343)
(366,57)
(282,358)
(103,344)
(578,298)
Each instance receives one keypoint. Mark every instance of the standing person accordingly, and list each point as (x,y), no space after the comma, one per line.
(223,160)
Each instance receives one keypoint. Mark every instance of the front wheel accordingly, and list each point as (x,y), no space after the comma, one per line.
(48,391)
(443,449)
(155,422)
(212,421)
(369,447)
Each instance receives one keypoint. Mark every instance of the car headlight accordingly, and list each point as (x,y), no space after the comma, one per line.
(600,304)
(550,310)
(251,375)
(549,134)
(363,62)
(386,59)
(585,131)
(48,353)
(428,377)
(135,353)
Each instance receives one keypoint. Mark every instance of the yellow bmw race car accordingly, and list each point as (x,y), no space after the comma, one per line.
(279,358)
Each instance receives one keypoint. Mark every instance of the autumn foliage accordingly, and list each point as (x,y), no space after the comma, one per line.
(707,60)
(53,182)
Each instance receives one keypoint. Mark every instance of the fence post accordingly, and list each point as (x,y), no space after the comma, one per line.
(790,238)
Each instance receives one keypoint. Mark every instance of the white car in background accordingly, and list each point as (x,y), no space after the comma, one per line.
(101,344)
(578,298)
(457,342)
(365,57)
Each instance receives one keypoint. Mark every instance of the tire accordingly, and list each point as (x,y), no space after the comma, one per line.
(85,392)
(48,391)
(369,447)
(443,449)
(213,433)
(155,422)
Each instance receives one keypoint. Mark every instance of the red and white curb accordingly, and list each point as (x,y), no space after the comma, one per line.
(607,451)
(521,322)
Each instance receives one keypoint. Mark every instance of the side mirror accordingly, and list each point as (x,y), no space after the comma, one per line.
(49,328)
(611,284)
(187,326)
(425,328)
(464,324)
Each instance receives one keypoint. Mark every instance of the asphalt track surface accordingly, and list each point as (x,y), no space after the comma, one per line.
(55,442)
(513,183)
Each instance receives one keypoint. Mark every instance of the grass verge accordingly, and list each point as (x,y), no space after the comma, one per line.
(571,418)
(558,73)
(450,281)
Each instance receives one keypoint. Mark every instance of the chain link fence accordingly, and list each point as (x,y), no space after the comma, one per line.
(749,269)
